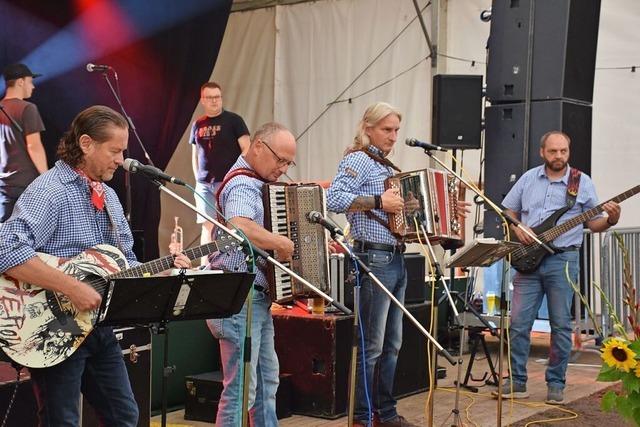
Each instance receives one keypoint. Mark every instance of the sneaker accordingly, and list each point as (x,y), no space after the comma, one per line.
(398,421)
(555,396)
(519,391)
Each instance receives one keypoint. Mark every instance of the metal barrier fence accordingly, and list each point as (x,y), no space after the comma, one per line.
(602,266)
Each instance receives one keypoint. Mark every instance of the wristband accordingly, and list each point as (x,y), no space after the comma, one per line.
(611,223)
(378,202)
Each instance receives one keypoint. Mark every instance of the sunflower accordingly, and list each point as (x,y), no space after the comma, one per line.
(637,370)
(616,353)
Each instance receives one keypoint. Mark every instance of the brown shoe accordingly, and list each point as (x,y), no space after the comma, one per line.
(398,421)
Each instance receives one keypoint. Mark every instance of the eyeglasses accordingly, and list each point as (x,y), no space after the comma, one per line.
(281,162)
(212,98)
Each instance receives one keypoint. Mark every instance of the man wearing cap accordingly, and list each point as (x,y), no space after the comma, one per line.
(22,155)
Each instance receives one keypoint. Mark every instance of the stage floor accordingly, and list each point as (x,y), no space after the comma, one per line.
(475,408)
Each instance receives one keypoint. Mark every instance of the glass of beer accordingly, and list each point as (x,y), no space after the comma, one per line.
(491,303)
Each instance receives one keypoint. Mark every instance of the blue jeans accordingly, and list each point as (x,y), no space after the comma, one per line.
(264,365)
(381,322)
(97,368)
(549,279)
(208,191)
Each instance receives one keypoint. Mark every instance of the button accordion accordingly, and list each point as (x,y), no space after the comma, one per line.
(286,209)
(430,199)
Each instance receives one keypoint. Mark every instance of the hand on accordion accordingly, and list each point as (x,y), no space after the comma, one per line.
(392,202)
(463,208)
(284,248)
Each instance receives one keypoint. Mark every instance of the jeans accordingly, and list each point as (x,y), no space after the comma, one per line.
(263,378)
(98,370)
(549,279)
(208,191)
(381,322)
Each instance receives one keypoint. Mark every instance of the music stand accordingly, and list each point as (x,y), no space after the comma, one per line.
(156,301)
(482,253)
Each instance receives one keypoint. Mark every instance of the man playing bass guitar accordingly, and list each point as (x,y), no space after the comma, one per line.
(539,193)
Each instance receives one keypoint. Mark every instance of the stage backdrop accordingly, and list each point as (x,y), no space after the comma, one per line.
(162,51)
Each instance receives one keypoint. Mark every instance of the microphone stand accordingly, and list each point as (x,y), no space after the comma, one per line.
(127,176)
(248,245)
(503,303)
(356,296)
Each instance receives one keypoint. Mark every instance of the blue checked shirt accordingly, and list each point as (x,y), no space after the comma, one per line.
(55,216)
(360,175)
(241,196)
(535,197)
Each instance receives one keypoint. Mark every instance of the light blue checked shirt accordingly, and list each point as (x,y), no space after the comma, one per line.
(360,175)
(54,215)
(241,196)
(536,197)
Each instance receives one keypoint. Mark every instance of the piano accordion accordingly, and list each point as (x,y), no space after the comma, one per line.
(430,197)
(286,208)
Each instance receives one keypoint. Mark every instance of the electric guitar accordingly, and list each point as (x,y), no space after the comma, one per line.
(40,328)
(527,258)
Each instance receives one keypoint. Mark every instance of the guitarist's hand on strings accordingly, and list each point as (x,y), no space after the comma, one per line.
(613,211)
(83,296)
(181,261)
(523,237)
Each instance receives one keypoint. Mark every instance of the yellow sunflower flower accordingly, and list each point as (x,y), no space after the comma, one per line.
(616,353)
(637,370)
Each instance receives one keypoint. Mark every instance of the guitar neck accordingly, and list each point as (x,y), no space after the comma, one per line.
(164,263)
(559,230)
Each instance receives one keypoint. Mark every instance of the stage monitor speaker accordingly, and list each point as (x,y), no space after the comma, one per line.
(456,111)
(563,50)
(505,160)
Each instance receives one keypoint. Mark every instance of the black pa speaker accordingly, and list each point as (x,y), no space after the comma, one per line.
(456,111)
(506,157)
(561,48)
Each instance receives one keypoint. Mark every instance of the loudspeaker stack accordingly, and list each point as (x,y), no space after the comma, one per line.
(539,78)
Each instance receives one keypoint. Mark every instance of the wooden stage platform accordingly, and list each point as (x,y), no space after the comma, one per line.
(480,408)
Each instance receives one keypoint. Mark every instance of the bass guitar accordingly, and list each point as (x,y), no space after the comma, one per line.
(527,258)
(40,328)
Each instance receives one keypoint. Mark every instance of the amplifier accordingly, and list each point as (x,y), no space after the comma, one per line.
(342,275)
(316,351)
(203,395)
(136,351)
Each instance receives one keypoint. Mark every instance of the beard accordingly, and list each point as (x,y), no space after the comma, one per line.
(556,165)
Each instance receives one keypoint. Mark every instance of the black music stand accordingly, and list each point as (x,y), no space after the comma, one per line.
(156,301)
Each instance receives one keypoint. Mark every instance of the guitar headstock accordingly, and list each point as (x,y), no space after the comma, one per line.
(226,243)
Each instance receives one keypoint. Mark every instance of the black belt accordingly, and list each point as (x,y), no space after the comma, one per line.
(361,246)
(567,249)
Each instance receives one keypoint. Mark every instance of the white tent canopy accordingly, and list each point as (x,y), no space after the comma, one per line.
(290,62)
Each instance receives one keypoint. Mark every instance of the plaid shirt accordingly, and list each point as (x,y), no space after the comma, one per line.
(55,216)
(360,175)
(241,196)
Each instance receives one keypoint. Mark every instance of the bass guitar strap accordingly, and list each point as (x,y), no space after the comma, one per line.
(573,186)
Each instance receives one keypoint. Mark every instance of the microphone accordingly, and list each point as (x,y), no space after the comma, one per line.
(317,218)
(412,142)
(149,171)
(100,68)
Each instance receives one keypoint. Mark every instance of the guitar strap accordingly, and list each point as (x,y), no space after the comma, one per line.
(573,186)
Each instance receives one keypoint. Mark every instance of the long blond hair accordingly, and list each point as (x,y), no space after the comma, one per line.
(372,115)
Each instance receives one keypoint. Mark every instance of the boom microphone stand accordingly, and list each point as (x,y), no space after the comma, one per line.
(363,267)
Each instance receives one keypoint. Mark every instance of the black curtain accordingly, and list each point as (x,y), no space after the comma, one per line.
(160,72)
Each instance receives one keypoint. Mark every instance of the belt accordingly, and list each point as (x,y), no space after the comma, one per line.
(361,246)
(567,249)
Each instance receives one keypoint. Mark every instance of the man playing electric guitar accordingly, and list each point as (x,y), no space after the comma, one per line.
(64,212)
(535,196)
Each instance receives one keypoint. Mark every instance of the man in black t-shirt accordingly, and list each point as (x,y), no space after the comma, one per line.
(218,138)
(22,155)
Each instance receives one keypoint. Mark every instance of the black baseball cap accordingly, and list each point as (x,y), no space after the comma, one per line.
(17,71)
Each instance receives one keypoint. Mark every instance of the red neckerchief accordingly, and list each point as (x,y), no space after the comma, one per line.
(97,191)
